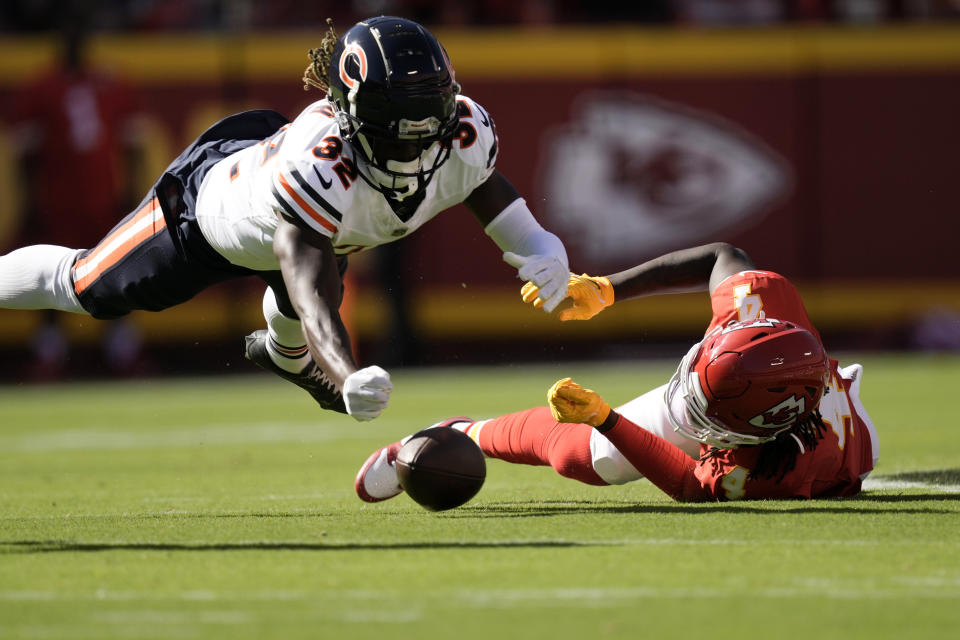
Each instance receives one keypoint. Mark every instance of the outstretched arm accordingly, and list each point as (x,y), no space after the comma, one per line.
(538,255)
(696,269)
(661,462)
(490,198)
(309,267)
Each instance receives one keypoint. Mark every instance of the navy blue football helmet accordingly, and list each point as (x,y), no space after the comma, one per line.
(394,95)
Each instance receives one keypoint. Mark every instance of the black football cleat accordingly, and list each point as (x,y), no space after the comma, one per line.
(312,379)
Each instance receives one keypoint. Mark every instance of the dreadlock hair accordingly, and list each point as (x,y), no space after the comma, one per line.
(779,456)
(315,75)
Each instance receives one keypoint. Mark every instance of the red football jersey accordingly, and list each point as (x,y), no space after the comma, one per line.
(846,453)
(835,467)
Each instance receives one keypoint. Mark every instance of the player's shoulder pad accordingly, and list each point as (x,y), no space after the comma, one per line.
(475,140)
(321,108)
(309,192)
(314,171)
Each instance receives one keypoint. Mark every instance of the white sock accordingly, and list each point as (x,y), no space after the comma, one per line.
(472,429)
(286,345)
(38,277)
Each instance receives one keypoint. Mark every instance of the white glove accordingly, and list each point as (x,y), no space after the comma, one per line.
(547,272)
(366,393)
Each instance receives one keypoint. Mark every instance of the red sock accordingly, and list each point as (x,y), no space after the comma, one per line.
(533,437)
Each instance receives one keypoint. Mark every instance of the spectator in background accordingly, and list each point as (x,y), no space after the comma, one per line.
(76,134)
(724,12)
(191,15)
(399,345)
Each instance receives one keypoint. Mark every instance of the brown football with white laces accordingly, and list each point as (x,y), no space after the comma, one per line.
(441,468)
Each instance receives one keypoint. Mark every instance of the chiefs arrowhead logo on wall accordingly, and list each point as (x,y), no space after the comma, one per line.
(781,414)
(631,176)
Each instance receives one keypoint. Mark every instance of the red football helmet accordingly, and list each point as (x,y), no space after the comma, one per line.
(747,382)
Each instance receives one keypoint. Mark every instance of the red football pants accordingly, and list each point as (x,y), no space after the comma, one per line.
(533,437)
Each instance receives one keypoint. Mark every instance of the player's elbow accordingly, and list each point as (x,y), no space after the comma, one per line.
(727,252)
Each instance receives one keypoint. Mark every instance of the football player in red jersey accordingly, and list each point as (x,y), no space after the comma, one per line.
(392,144)
(755,410)
(77,130)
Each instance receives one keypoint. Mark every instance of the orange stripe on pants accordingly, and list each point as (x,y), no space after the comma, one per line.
(118,244)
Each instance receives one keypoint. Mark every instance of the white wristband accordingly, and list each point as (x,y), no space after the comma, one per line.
(515,230)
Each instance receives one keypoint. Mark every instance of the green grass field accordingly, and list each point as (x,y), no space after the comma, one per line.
(224,508)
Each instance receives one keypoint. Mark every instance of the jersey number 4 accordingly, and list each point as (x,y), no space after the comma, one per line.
(748,305)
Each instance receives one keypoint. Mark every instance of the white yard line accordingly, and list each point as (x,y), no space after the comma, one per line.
(511,598)
(884,484)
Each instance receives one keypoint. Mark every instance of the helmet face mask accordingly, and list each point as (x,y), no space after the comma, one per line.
(394,94)
(746,383)
(400,167)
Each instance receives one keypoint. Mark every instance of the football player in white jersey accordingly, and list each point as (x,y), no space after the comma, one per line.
(390,146)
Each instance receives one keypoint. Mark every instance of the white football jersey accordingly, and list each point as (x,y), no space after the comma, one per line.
(306,172)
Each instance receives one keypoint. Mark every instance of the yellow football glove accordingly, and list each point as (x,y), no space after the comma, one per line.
(569,402)
(586,297)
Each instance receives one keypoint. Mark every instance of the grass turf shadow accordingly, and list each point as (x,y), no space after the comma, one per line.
(839,506)
(66,546)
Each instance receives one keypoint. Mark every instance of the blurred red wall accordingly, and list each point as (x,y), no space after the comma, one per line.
(847,136)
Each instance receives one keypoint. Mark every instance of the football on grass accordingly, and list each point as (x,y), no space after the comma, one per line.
(441,468)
